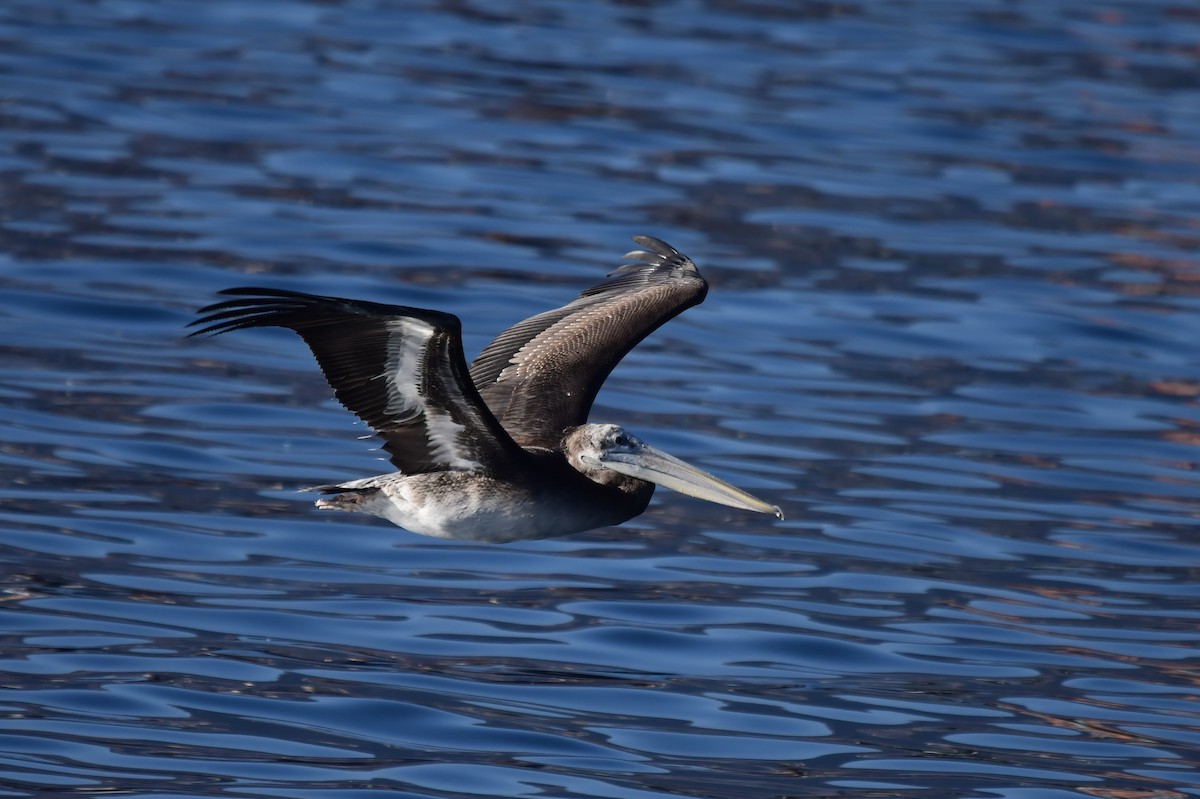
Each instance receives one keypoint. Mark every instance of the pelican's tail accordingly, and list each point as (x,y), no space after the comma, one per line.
(345,496)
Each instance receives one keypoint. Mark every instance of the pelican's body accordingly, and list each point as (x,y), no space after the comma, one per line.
(501,450)
(540,496)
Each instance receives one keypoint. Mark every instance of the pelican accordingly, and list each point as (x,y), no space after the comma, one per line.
(500,450)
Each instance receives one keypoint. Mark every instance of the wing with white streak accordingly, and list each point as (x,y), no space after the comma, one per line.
(401,370)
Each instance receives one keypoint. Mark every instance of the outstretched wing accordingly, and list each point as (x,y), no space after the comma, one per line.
(401,370)
(541,376)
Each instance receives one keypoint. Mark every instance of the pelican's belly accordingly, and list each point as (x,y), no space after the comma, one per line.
(470,507)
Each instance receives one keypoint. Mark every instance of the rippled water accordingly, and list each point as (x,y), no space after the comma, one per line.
(953,331)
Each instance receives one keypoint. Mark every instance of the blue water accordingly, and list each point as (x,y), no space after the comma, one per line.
(952,331)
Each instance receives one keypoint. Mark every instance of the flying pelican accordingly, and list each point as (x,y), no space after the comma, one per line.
(502,450)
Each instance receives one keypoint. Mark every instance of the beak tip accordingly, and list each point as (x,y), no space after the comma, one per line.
(778,512)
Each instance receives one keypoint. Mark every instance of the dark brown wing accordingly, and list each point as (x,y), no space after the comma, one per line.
(541,376)
(401,370)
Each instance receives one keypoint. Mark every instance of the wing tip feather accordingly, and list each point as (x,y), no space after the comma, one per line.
(253,307)
(656,255)
(657,246)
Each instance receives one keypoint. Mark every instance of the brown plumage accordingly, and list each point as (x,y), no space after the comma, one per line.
(500,450)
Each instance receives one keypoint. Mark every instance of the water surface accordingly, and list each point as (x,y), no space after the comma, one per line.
(952,331)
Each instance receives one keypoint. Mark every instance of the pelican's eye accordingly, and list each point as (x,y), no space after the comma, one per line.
(622,440)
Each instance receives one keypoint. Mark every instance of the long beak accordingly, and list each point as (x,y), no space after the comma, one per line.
(647,463)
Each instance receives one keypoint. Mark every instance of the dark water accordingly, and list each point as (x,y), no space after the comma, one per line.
(953,330)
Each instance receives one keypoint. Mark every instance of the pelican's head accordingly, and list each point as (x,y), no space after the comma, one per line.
(599,450)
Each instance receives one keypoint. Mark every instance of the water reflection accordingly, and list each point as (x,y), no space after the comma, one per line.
(956,251)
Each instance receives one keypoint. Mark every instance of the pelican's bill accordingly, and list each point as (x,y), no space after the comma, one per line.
(647,463)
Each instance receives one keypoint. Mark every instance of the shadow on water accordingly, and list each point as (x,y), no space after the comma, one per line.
(952,331)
